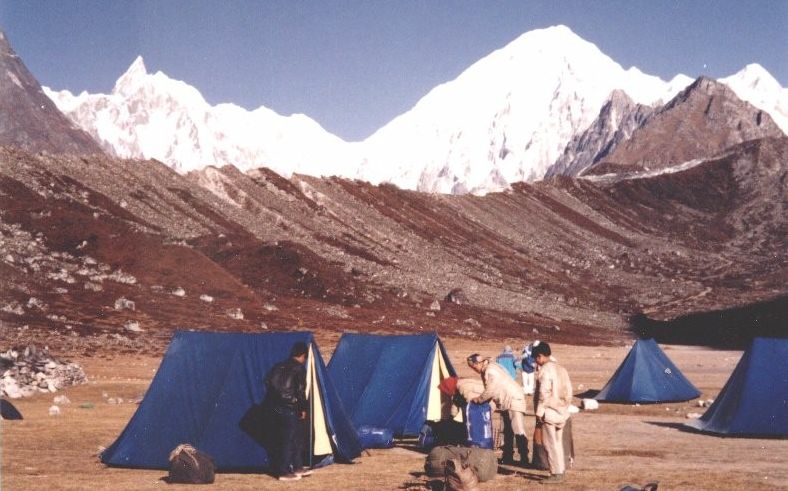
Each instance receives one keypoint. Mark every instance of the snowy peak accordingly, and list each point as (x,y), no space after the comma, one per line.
(152,116)
(133,76)
(755,77)
(757,86)
(507,118)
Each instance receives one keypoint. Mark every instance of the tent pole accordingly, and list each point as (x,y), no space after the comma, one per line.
(311,407)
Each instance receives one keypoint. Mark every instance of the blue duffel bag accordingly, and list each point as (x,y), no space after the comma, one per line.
(478,421)
(372,437)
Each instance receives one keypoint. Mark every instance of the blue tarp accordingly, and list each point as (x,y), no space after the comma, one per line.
(754,401)
(383,381)
(206,384)
(647,375)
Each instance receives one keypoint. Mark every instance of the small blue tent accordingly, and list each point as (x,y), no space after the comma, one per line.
(391,381)
(206,385)
(647,375)
(754,401)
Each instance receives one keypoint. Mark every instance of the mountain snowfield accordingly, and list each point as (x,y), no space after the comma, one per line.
(507,118)
(154,116)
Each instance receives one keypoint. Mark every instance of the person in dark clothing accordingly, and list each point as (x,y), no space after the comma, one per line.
(286,386)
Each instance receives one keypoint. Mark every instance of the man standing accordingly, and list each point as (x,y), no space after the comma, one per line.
(507,360)
(553,398)
(509,398)
(286,386)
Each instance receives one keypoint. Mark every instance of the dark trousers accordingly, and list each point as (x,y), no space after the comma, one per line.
(508,437)
(291,441)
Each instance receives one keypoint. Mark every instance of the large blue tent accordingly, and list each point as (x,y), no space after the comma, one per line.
(754,401)
(207,386)
(391,381)
(647,375)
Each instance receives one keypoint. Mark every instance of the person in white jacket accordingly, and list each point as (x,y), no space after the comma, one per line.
(552,400)
(508,396)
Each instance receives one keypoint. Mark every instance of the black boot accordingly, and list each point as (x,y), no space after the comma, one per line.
(522,449)
(507,457)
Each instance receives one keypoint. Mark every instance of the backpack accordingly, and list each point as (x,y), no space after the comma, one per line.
(481,460)
(190,466)
(460,477)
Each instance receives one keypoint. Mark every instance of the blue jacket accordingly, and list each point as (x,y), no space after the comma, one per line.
(508,362)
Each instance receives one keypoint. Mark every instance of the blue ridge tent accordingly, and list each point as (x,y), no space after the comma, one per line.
(647,375)
(754,401)
(204,391)
(391,381)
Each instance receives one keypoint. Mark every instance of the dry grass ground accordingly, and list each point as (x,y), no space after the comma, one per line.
(615,445)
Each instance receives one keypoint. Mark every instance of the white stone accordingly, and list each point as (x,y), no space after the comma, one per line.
(693,415)
(206,298)
(54,411)
(133,326)
(124,303)
(590,404)
(435,305)
(61,400)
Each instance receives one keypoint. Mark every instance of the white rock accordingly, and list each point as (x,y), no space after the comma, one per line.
(54,411)
(179,292)
(125,303)
(12,390)
(235,313)
(133,326)
(435,305)
(573,409)
(206,298)
(590,404)
(61,400)
(693,415)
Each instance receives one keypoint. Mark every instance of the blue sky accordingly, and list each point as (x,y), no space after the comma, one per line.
(355,65)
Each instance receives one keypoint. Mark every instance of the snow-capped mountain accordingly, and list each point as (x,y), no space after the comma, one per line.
(506,118)
(757,86)
(153,116)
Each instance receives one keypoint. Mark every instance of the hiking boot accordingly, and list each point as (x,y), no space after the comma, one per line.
(289,477)
(553,479)
(522,449)
(303,472)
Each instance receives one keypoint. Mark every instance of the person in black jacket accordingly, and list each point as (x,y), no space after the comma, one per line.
(286,386)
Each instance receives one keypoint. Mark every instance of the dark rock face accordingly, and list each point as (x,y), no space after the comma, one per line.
(617,119)
(704,119)
(28,118)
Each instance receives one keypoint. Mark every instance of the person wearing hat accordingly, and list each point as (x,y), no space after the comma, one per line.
(286,388)
(552,400)
(461,390)
(528,367)
(507,360)
(508,396)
